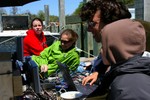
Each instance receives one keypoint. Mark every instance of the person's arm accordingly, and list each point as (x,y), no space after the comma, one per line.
(99,66)
(42,59)
(91,78)
(99,69)
(71,59)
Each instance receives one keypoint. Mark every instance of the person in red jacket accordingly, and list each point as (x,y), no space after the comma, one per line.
(35,41)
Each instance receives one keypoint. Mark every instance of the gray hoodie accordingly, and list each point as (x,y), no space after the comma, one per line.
(122,40)
(123,44)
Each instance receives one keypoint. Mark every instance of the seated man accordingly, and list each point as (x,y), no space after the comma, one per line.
(62,50)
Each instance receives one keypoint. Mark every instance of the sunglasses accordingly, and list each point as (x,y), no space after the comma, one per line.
(91,23)
(64,41)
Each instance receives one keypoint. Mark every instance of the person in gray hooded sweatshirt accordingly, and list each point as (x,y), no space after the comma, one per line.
(123,46)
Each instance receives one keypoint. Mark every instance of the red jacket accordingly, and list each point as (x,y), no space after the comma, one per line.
(32,44)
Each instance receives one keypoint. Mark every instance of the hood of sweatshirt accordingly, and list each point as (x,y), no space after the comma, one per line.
(121,40)
(31,32)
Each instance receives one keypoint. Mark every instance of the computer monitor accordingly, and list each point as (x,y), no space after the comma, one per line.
(15,22)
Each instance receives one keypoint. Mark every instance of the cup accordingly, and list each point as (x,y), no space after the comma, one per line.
(71,95)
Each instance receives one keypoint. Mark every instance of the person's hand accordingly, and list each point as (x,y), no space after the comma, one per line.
(44,68)
(92,78)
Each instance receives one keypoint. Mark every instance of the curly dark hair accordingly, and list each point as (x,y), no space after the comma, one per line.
(111,10)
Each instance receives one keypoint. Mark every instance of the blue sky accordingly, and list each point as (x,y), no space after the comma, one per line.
(34,7)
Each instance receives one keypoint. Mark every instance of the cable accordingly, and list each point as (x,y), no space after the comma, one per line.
(7,40)
(10,39)
(80,50)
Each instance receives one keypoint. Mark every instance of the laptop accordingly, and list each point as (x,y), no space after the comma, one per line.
(85,90)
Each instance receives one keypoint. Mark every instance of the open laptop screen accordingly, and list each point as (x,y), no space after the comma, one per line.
(86,90)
